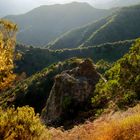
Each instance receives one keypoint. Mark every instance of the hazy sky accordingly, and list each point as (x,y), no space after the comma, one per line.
(21,6)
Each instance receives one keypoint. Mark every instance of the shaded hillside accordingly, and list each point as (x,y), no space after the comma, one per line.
(118,89)
(45,23)
(75,37)
(118,3)
(35,59)
(52,88)
(71,95)
(35,90)
(122,25)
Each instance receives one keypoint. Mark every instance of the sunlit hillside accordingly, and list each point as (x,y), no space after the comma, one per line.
(69,71)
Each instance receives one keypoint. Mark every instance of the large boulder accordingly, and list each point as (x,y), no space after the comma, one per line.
(71,93)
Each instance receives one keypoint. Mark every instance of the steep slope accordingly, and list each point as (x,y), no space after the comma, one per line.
(122,25)
(122,87)
(35,90)
(69,94)
(76,37)
(117,3)
(31,61)
(118,89)
(120,3)
(45,23)
(123,125)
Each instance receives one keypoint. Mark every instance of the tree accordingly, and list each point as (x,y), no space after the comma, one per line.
(7,46)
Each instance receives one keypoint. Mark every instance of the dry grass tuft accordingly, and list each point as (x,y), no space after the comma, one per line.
(116,126)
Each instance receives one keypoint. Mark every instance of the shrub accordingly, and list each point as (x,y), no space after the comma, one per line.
(102,66)
(20,124)
(121,82)
(7,44)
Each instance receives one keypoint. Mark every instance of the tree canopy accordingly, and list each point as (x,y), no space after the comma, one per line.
(7,44)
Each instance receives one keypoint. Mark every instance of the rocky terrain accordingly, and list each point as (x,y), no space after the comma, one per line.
(71,93)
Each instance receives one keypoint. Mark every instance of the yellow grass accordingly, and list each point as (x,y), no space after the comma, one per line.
(116,126)
(126,129)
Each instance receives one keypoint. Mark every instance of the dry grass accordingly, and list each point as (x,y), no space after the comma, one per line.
(126,129)
(113,126)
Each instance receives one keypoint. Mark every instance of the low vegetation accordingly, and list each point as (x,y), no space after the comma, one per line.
(126,129)
(122,81)
(114,126)
(20,124)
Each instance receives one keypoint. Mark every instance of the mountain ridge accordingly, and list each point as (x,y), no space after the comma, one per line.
(118,3)
(117,27)
(54,21)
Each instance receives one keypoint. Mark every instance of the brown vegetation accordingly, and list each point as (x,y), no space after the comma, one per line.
(7,44)
(116,126)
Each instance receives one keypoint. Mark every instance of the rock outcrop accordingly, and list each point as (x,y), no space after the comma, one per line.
(71,93)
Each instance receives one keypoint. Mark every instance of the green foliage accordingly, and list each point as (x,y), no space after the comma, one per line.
(31,61)
(122,81)
(98,112)
(34,91)
(20,124)
(103,66)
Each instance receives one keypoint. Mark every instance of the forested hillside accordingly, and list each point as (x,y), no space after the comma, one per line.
(31,60)
(119,26)
(84,85)
(110,92)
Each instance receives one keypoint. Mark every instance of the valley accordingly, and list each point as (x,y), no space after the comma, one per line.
(73,73)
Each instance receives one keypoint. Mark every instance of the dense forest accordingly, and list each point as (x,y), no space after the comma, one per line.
(105,51)
(84,85)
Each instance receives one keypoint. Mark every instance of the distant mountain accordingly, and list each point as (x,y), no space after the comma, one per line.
(124,24)
(117,3)
(45,23)
(74,38)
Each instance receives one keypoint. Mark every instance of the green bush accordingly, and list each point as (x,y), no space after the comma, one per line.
(102,66)
(20,124)
(121,83)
